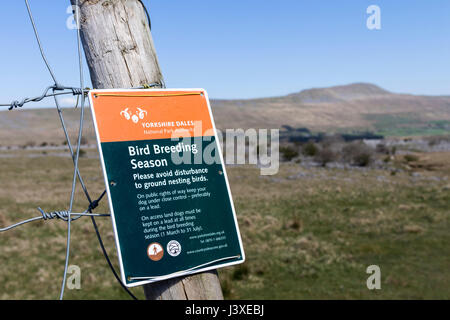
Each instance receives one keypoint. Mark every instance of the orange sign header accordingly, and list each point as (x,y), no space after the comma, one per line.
(128,115)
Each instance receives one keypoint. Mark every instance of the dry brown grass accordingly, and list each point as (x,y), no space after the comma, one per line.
(305,236)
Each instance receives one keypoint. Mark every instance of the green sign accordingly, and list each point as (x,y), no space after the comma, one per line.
(169,196)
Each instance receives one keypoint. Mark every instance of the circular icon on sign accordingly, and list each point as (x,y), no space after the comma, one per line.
(174,248)
(155,251)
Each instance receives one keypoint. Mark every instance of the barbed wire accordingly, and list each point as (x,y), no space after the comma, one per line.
(67,90)
(19,104)
(62,215)
(56,91)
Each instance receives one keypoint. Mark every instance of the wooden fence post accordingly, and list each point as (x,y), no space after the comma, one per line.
(120,53)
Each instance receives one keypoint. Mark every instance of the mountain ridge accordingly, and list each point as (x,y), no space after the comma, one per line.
(356,106)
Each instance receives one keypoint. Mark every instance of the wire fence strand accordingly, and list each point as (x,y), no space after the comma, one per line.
(36,34)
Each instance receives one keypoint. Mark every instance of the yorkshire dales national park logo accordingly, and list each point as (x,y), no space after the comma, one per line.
(135,116)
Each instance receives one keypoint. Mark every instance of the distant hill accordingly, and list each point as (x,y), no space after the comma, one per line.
(354,107)
(340,93)
(359,106)
(37,126)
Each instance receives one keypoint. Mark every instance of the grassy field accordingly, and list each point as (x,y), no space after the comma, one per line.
(402,125)
(308,233)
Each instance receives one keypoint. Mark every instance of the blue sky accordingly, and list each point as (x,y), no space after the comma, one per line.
(249,48)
